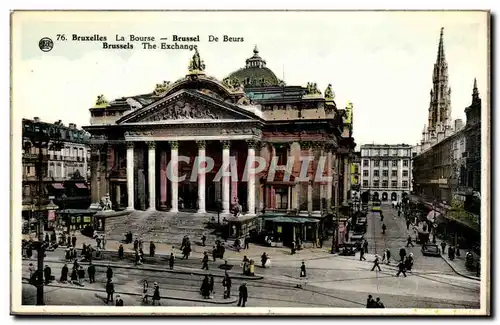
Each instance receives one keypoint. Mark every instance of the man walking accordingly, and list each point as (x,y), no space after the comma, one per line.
(110,289)
(401,268)
(109,274)
(91,272)
(205,261)
(402,254)
(384,227)
(247,242)
(362,254)
(120,252)
(365,246)
(243,295)
(443,247)
(226,283)
(376,263)
(408,241)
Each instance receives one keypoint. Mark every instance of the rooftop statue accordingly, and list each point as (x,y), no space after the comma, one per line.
(196,64)
(101,101)
(312,89)
(160,88)
(329,92)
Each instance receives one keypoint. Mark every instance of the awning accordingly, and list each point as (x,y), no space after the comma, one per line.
(80,185)
(58,186)
(433,216)
(284,219)
(279,178)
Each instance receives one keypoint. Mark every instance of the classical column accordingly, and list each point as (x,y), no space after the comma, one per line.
(251,177)
(152,174)
(130,175)
(201,176)
(163,179)
(329,173)
(289,201)
(309,197)
(118,195)
(174,162)
(225,178)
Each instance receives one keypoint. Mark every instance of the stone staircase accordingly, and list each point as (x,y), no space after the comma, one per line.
(161,227)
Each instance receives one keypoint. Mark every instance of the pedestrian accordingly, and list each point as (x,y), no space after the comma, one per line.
(156,294)
(204,261)
(136,244)
(370,303)
(120,252)
(457,250)
(226,283)
(73,240)
(48,274)
(247,242)
(152,249)
(409,262)
(81,275)
(384,227)
(362,254)
(293,248)
(263,259)
(64,274)
(119,301)
(109,273)
(98,242)
(378,303)
(401,268)
(145,287)
(303,276)
(186,251)
(47,237)
(171,261)
(376,263)
(381,216)
(443,247)
(387,256)
(103,241)
(31,269)
(29,251)
(91,272)
(110,290)
(365,246)
(211,285)
(74,276)
(141,243)
(402,254)
(203,239)
(408,224)
(408,241)
(243,295)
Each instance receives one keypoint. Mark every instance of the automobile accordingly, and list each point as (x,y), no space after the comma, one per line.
(376,206)
(431,250)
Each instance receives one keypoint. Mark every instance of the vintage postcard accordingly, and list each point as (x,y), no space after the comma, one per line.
(250,162)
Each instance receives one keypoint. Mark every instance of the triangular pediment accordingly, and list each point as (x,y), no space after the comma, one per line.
(187,105)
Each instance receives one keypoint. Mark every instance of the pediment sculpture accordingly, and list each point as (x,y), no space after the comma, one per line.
(183,110)
(329,92)
(161,87)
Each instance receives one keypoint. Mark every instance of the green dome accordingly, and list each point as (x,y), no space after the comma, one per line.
(255,73)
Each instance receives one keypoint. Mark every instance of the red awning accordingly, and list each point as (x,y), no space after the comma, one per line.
(58,186)
(80,185)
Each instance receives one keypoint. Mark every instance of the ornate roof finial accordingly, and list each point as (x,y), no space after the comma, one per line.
(255,50)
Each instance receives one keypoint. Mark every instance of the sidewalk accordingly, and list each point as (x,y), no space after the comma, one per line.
(458,265)
(177,296)
(254,252)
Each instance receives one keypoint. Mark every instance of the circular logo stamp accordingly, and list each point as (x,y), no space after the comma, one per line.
(46,44)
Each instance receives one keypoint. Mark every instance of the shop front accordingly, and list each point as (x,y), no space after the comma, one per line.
(286,229)
(70,220)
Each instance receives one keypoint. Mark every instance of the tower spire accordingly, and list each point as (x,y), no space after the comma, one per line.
(475,92)
(440,55)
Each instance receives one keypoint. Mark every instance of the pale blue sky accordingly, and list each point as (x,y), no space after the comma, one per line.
(381,61)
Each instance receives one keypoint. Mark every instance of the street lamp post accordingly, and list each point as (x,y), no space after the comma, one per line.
(41,136)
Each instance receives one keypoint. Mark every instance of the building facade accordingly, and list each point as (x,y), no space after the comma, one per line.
(446,164)
(249,115)
(385,171)
(63,169)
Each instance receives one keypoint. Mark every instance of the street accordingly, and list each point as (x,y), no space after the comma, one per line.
(395,238)
(333,280)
